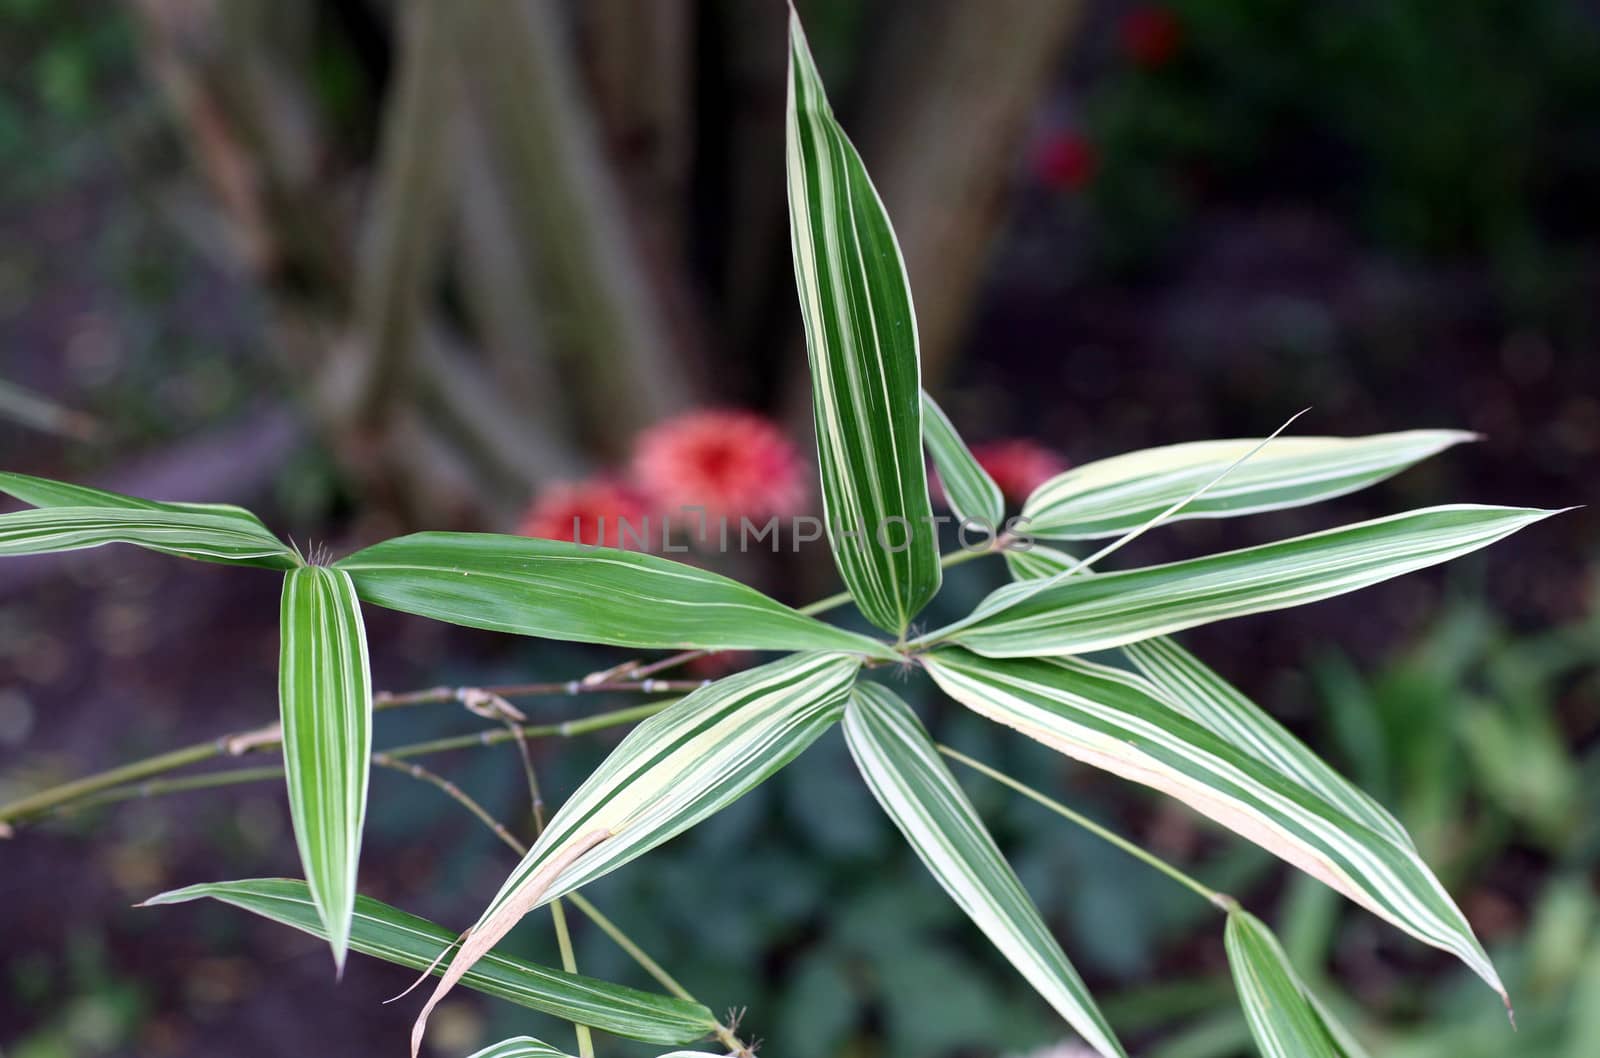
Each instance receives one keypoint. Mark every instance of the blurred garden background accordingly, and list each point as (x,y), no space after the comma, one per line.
(377,265)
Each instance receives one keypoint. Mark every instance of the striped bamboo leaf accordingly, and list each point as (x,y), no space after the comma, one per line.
(1113,496)
(1120,722)
(395,936)
(1077,614)
(861,338)
(901,765)
(528,1047)
(971,493)
(1286,1020)
(563,590)
(672,771)
(1206,698)
(212,532)
(325,700)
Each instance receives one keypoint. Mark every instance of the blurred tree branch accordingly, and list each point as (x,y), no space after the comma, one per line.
(520,276)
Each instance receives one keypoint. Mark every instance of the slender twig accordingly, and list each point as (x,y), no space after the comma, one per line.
(723,1033)
(558,914)
(1221,900)
(443,695)
(135,780)
(628,677)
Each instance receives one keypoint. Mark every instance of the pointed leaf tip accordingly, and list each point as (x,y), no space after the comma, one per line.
(325,704)
(861,343)
(672,771)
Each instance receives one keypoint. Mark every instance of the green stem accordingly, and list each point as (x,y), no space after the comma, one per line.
(563,729)
(45,800)
(1221,900)
(569,963)
(723,1033)
(127,774)
(626,943)
(101,794)
(558,914)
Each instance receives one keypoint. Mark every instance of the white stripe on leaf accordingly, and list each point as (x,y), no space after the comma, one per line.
(903,769)
(1119,722)
(861,340)
(1079,614)
(325,705)
(671,772)
(1111,496)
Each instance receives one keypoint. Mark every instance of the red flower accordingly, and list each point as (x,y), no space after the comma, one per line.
(1066,161)
(1150,36)
(589,512)
(1018,466)
(732,463)
(717,664)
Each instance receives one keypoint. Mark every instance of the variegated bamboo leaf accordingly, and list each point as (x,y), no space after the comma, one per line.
(903,769)
(861,338)
(395,936)
(1286,1020)
(1206,698)
(1077,614)
(672,771)
(1118,721)
(70,517)
(969,490)
(325,698)
(563,590)
(1112,496)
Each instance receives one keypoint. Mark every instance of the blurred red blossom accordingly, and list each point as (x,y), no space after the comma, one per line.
(589,512)
(1065,161)
(717,664)
(1150,35)
(1018,465)
(732,463)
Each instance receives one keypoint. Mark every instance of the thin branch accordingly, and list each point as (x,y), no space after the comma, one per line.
(1220,899)
(130,780)
(724,1033)
(630,676)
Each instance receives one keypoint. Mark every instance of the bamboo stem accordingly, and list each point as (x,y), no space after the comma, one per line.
(128,781)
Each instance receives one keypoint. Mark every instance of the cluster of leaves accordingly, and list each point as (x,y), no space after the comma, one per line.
(1167,722)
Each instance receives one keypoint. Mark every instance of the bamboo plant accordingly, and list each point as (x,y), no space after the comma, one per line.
(1162,718)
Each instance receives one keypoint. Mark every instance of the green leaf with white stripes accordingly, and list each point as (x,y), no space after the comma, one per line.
(396,936)
(861,338)
(969,490)
(1069,614)
(71,517)
(674,770)
(563,590)
(902,766)
(1286,1020)
(1206,698)
(1113,496)
(325,700)
(528,1047)
(1120,722)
